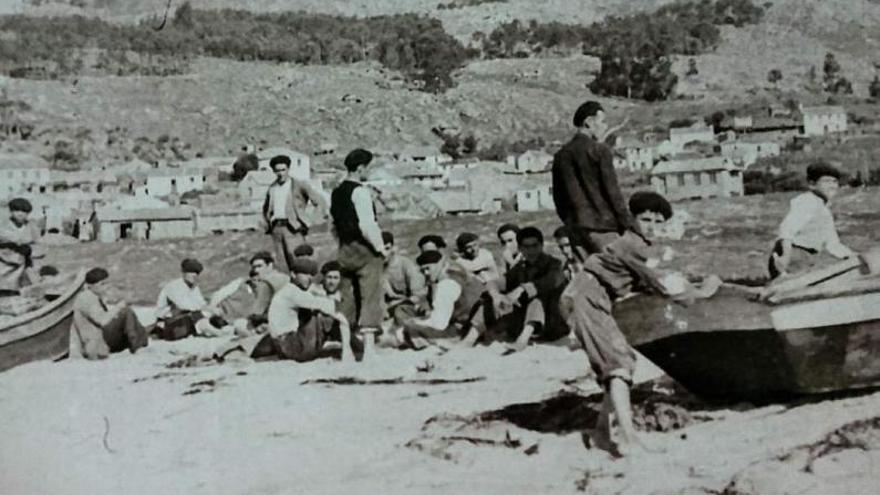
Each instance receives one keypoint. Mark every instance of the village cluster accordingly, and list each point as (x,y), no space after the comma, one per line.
(454,293)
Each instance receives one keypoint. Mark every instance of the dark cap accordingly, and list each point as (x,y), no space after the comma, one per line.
(330,266)
(530,233)
(48,271)
(429,258)
(587,109)
(304,250)
(264,256)
(304,265)
(190,265)
(464,239)
(817,170)
(96,275)
(433,239)
(20,204)
(357,159)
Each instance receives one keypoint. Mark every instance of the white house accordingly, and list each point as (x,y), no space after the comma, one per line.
(421,154)
(747,153)
(382,177)
(697,178)
(535,199)
(743,122)
(165,181)
(252,188)
(633,154)
(822,120)
(22,172)
(300,163)
(680,136)
(425,175)
(530,161)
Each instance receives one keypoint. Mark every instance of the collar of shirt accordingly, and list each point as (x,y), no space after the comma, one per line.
(820,195)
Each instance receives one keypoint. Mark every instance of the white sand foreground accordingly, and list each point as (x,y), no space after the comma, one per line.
(131,425)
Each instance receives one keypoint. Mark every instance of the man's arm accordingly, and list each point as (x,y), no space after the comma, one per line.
(163,304)
(446,294)
(415,281)
(266,208)
(315,196)
(835,247)
(363,205)
(306,300)
(552,279)
(567,196)
(612,189)
(92,310)
(802,210)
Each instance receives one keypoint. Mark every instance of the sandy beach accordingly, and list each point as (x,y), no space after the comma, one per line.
(458,422)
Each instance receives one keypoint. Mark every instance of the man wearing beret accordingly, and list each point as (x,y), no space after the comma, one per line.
(285,209)
(361,249)
(18,238)
(585,189)
(476,260)
(181,303)
(98,328)
(301,322)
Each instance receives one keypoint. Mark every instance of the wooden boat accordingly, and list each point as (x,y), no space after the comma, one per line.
(814,335)
(40,334)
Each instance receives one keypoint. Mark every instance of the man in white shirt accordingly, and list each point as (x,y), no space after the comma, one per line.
(808,228)
(181,303)
(285,209)
(301,322)
(361,251)
(454,298)
(476,260)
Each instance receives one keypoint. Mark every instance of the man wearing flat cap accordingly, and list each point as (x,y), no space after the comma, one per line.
(18,239)
(361,249)
(300,322)
(181,303)
(98,328)
(585,189)
(285,209)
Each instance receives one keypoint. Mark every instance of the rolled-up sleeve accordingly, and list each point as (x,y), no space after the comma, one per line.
(445,295)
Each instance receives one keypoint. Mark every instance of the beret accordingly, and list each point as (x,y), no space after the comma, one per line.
(587,109)
(304,265)
(304,250)
(433,239)
(464,239)
(20,204)
(643,201)
(262,255)
(357,158)
(48,271)
(530,233)
(429,258)
(816,171)
(279,159)
(190,265)
(331,266)
(96,275)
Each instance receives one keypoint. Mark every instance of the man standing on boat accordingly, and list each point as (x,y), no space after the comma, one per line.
(17,239)
(585,189)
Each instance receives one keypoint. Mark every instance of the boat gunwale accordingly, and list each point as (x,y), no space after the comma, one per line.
(5,330)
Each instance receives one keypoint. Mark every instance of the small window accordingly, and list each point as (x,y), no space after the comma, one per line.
(680,180)
(713,177)
(698,179)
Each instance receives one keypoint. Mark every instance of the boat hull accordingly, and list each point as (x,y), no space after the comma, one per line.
(42,334)
(731,348)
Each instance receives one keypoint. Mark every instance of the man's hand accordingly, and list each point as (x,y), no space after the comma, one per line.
(515,295)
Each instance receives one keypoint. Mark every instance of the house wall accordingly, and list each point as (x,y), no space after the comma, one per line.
(639,159)
(108,231)
(535,199)
(14,181)
(820,124)
(165,185)
(229,222)
(679,140)
(685,185)
(166,229)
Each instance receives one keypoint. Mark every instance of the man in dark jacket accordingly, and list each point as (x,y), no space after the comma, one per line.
(585,189)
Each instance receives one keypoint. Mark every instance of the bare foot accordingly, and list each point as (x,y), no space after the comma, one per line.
(515,347)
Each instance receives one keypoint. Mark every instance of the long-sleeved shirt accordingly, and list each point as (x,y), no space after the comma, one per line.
(90,316)
(404,278)
(363,205)
(627,265)
(278,196)
(810,224)
(443,297)
(585,188)
(17,243)
(286,305)
(177,295)
(483,266)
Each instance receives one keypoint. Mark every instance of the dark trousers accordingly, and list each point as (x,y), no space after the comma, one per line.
(125,332)
(285,239)
(361,288)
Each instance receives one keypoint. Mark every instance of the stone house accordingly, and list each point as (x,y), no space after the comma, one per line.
(691,178)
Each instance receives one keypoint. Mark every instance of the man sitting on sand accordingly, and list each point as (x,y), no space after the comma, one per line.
(242,306)
(331,278)
(509,249)
(18,239)
(478,261)
(454,298)
(404,283)
(808,228)
(264,265)
(99,329)
(623,267)
(525,301)
(301,322)
(181,303)
(574,255)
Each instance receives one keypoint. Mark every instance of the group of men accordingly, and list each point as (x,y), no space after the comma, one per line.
(372,296)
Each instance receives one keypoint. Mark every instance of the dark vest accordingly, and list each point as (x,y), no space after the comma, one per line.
(345,219)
